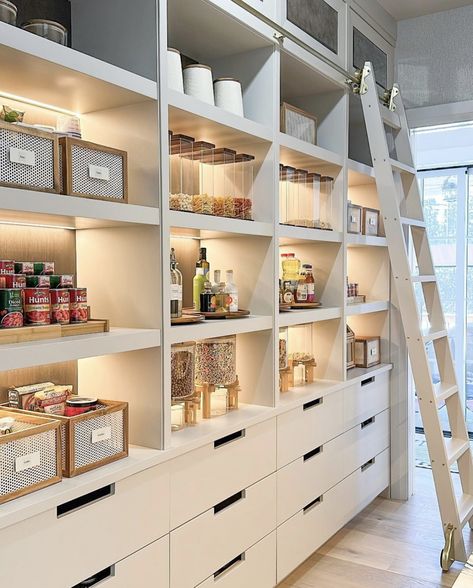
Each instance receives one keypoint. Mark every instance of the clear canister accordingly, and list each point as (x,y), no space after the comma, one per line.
(244,178)
(182,370)
(203,177)
(326,202)
(300,343)
(283,341)
(288,192)
(180,172)
(314,217)
(301,211)
(216,361)
(225,182)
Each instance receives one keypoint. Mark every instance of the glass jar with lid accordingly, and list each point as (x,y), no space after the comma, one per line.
(203,176)
(283,344)
(182,370)
(287,193)
(216,361)
(301,353)
(301,211)
(180,172)
(313,180)
(224,182)
(326,203)
(244,178)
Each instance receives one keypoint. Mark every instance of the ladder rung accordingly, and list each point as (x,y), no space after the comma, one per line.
(402,167)
(444,391)
(456,448)
(424,279)
(413,222)
(465,508)
(391,118)
(433,335)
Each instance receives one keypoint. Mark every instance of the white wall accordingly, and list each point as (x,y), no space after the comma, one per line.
(434,58)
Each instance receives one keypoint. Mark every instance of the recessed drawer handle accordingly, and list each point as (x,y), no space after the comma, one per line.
(313,504)
(229,501)
(368,381)
(368,464)
(229,438)
(313,403)
(313,453)
(85,500)
(97,578)
(229,566)
(368,422)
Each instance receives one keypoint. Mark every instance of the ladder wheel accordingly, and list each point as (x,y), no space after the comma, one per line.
(447,555)
(445,561)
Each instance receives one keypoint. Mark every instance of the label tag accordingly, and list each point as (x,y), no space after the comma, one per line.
(26,462)
(372,221)
(373,351)
(22,156)
(99,173)
(102,434)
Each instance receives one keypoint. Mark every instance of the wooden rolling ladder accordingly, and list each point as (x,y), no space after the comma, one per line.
(402,213)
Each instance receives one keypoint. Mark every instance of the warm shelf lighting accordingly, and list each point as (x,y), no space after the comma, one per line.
(31,102)
(36,225)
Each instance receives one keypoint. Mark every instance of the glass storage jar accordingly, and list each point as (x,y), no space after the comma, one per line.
(326,203)
(180,172)
(244,178)
(283,339)
(216,361)
(182,370)
(301,212)
(313,180)
(287,193)
(203,177)
(225,182)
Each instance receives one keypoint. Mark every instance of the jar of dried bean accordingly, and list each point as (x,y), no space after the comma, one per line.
(215,361)
(181,172)
(182,370)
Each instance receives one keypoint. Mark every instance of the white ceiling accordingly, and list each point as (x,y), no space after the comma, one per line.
(402,9)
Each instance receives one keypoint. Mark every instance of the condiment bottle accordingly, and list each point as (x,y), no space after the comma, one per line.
(202,261)
(197,287)
(232,292)
(216,281)
(176,288)
(221,298)
(310,282)
(288,296)
(206,298)
(301,291)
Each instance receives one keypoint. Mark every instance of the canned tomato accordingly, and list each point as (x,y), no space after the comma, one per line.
(13,281)
(78,305)
(64,281)
(24,267)
(37,306)
(38,281)
(43,268)
(11,308)
(76,405)
(60,312)
(7,268)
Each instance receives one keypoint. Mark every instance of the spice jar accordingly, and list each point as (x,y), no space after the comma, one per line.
(326,203)
(203,178)
(180,172)
(182,370)
(244,178)
(283,335)
(215,361)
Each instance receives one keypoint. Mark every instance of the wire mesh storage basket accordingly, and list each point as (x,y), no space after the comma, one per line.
(28,159)
(30,455)
(93,171)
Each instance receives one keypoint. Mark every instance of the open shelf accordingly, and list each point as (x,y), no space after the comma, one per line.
(301,154)
(301,394)
(46,72)
(118,340)
(365,241)
(208,227)
(219,328)
(356,374)
(360,174)
(302,317)
(289,235)
(55,210)
(367,307)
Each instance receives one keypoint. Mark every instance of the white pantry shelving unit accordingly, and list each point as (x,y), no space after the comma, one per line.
(121,253)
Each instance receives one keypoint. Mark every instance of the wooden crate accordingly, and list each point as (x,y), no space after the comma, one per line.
(367,351)
(30,456)
(56,331)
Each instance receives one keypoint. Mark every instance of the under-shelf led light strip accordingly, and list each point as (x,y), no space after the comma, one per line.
(32,102)
(35,225)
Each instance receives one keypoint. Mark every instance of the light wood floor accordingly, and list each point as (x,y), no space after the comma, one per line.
(390,544)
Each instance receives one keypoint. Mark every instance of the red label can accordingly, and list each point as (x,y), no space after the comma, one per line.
(78,306)
(24,267)
(11,308)
(38,281)
(17,281)
(43,268)
(60,300)
(7,268)
(37,306)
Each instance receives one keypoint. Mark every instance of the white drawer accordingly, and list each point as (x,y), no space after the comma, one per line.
(368,397)
(308,426)
(148,566)
(202,478)
(255,567)
(103,527)
(211,540)
(311,527)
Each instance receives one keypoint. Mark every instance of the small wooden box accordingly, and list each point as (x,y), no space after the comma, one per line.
(298,123)
(30,456)
(367,351)
(93,171)
(370,222)
(30,158)
(350,348)
(354,219)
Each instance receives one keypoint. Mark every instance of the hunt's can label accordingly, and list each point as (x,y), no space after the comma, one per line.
(11,308)
(59,282)
(37,306)
(60,312)
(13,281)
(43,268)
(38,281)
(78,305)
(24,267)
(7,268)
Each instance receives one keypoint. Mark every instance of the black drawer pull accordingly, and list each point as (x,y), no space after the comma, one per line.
(96,578)
(368,464)
(313,453)
(229,501)
(229,565)
(312,504)
(368,422)
(229,438)
(368,381)
(85,500)
(313,403)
